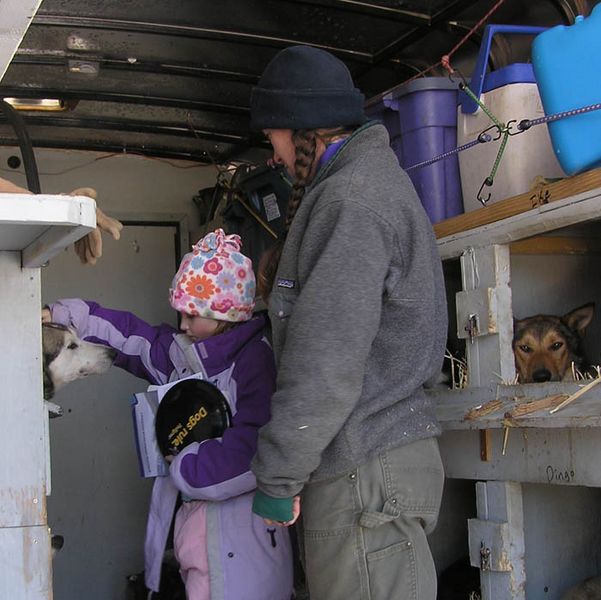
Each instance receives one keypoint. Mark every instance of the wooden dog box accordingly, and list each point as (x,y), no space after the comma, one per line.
(533,468)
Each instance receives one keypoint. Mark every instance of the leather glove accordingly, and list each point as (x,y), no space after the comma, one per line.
(89,248)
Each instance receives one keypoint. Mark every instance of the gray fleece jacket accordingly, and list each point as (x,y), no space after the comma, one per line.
(359,319)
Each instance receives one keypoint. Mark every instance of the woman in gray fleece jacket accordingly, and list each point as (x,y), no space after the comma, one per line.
(358,310)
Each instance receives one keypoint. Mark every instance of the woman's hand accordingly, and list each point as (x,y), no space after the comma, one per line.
(295,515)
(46,315)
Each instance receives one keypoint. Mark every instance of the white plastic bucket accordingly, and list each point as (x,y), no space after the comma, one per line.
(526,156)
(510,94)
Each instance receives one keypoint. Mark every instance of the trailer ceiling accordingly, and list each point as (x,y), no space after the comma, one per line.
(173,78)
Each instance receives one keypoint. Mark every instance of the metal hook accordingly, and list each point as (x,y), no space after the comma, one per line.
(509,127)
(463,83)
(488,182)
(497,129)
(521,127)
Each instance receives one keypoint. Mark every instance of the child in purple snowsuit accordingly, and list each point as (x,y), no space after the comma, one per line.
(224,550)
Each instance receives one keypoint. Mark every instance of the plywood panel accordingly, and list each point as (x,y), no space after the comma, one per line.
(22,412)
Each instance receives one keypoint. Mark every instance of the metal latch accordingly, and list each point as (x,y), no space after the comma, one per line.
(472,327)
(484,557)
(477,313)
(489,544)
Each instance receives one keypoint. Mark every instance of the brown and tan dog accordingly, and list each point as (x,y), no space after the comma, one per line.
(545,346)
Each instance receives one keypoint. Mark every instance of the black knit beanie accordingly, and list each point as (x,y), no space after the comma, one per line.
(305,88)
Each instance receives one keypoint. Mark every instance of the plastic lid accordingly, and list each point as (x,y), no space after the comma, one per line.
(417,85)
(514,73)
(192,410)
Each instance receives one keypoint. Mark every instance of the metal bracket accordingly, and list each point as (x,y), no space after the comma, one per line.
(477,313)
(489,545)
(484,557)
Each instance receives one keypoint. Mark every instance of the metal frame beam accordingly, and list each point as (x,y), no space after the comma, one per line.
(188,31)
(103,96)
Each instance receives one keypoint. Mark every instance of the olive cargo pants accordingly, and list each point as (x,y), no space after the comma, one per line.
(363,534)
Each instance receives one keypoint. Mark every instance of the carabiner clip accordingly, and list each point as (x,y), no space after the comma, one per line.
(488,182)
(496,128)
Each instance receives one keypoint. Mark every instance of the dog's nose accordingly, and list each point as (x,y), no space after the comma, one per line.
(541,375)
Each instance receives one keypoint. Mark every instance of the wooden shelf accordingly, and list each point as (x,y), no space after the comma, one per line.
(40,226)
(546,208)
(452,406)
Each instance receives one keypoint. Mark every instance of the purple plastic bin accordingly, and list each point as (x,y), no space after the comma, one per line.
(421,119)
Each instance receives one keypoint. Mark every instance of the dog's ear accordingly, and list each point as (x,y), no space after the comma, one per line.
(517,323)
(580,318)
(48,385)
(53,336)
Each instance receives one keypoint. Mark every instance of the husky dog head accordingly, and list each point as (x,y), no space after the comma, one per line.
(545,346)
(67,357)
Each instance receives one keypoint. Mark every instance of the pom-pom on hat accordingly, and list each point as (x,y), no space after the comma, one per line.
(215,280)
(305,88)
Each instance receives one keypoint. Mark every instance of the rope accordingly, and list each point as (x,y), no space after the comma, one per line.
(503,130)
(527,123)
(465,88)
(482,138)
(445,61)
(523,125)
(499,155)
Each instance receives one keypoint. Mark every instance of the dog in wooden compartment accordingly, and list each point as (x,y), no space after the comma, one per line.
(550,347)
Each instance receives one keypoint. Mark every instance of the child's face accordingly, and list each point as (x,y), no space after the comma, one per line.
(197,328)
(283,148)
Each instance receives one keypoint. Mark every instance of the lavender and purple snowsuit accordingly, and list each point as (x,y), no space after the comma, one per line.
(247,559)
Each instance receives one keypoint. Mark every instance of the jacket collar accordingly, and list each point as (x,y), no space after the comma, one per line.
(372,132)
(219,352)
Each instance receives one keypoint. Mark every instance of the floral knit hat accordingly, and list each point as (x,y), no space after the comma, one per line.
(215,280)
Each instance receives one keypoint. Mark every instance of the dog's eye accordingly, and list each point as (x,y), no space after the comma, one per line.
(72,346)
(525,348)
(556,345)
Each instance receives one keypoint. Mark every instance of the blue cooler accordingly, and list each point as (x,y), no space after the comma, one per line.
(421,118)
(566,64)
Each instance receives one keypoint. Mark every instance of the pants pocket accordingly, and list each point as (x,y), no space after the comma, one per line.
(414,477)
(392,572)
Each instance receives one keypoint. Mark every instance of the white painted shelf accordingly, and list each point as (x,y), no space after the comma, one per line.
(33,229)
(40,226)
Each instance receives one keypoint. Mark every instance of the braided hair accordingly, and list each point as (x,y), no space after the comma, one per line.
(305,144)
